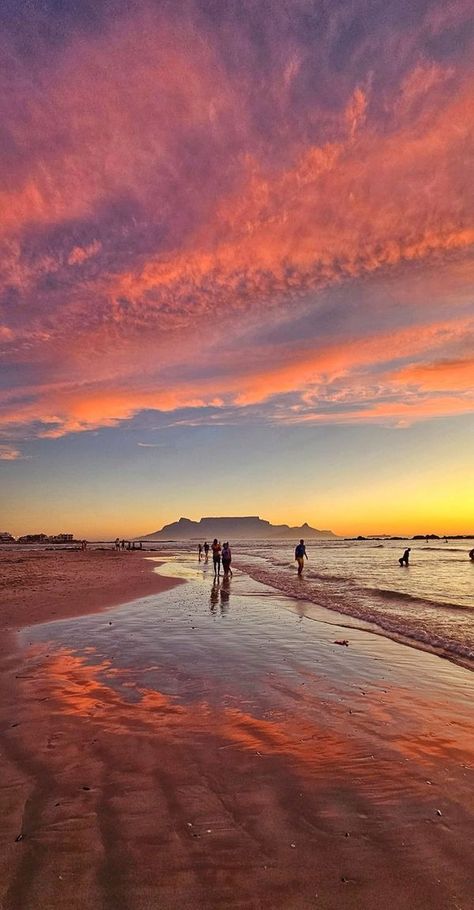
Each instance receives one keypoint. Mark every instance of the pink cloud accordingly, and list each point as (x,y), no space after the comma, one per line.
(161,214)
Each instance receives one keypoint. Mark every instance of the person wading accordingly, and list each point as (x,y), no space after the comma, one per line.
(300,555)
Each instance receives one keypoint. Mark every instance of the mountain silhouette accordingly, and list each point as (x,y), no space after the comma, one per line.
(247,527)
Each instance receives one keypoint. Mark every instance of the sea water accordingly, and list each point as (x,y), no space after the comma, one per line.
(430,603)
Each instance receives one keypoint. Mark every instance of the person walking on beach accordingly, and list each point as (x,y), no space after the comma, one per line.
(405,558)
(216,556)
(300,554)
(206,551)
(200,552)
(117,543)
(226,560)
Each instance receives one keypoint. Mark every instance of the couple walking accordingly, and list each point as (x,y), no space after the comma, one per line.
(223,553)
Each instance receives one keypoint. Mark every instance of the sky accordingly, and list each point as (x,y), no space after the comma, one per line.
(236,264)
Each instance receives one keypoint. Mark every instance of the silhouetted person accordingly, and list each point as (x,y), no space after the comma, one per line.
(300,554)
(200,552)
(405,558)
(471,554)
(226,559)
(123,545)
(206,550)
(117,543)
(216,556)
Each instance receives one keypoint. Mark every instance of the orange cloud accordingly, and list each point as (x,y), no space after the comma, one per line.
(337,359)
(339,374)
(441,375)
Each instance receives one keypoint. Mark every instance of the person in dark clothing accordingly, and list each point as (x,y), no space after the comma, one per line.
(200,552)
(206,550)
(405,558)
(300,555)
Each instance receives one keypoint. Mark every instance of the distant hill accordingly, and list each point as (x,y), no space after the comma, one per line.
(251,527)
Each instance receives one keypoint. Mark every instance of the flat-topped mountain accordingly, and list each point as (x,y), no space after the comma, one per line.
(249,526)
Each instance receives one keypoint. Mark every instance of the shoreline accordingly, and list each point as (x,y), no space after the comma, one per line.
(372,621)
(40,586)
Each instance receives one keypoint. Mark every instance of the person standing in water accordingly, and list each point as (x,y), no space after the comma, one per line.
(471,554)
(216,556)
(226,560)
(200,552)
(206,550)
(405,558)
(300,554)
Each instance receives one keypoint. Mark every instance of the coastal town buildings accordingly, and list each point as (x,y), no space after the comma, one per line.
(46,538)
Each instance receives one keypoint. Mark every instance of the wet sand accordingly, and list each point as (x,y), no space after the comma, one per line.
(38,585)
(211,747)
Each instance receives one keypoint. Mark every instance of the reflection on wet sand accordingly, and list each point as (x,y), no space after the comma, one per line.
(172,759)
(220,595)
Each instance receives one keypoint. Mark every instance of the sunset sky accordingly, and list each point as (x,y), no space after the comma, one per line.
(236,264)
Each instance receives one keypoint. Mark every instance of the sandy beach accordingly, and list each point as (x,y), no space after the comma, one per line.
(210,746)
(37,585)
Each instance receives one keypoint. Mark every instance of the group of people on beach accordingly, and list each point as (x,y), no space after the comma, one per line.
(127,544)
(220,553)
(223,553)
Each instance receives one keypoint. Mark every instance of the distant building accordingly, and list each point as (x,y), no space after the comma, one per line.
(46,538)
(5,537)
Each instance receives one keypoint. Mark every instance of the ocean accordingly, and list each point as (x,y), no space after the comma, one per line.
(430,604)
